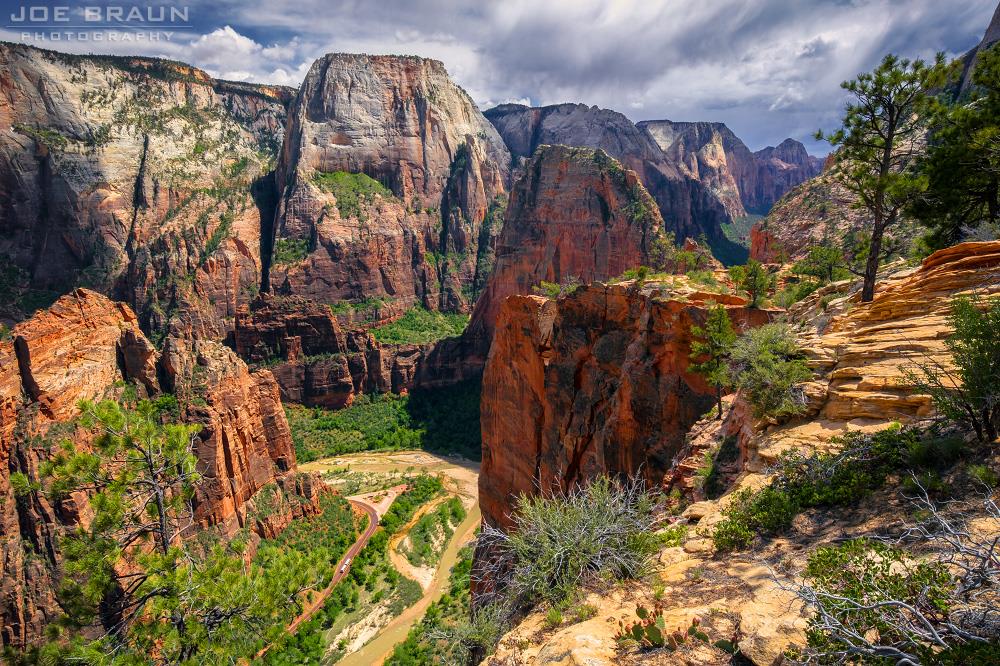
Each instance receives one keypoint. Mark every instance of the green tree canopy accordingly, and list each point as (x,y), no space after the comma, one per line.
(882,132)
(962,163)
(754,279)
(710,351)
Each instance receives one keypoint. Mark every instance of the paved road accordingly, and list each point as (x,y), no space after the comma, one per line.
(338,573)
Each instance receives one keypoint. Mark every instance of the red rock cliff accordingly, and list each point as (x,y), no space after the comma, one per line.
(594,382)
(576,215)
(80,348)
(132,177)
(404,123)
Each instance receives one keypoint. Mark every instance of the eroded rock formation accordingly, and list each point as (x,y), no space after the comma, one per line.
(83,348)
(594,382)
(861,353)
(314,360)
(575,216)
(700,174)
(427,238)
(132,176)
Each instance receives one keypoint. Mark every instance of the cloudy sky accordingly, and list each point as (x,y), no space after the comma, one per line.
(767,68)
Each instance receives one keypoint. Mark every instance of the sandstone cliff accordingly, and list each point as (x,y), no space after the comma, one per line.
(314,359)
(575,216)
(132,176)
(85,347)
(688,206)
(596,381)
(439,168)
(701,175)
(860,353)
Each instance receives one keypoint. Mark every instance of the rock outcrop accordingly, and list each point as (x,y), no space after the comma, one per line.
(439,169)
(594,382)
(970,59)
(779,169)
(132,176)
(860,353)
(744,182)
(575,216)
(85,347)
(688,206)
(819,210)
(700,174)
(314,360)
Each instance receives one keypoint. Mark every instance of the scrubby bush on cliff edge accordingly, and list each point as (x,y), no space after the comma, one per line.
(559,542)
(879,601)
(801,481)
(766,364)
(969,394)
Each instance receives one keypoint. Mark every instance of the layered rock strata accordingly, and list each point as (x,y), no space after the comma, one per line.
(86,347)
(439,169)
(134,177)
(594,382)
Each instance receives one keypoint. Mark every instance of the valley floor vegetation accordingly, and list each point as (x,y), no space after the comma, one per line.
(420,326)
(139,579)
(442,420)
(372,582)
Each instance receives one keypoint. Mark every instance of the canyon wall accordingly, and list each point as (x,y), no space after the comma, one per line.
(594,382)
(85,347)
(439,168)
(701,175)
(317,361)
(577,215)
(134,177)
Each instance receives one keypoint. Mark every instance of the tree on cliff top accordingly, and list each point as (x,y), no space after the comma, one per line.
(881,135)
(962,164)
(131,570)
(754,279)
(712,346)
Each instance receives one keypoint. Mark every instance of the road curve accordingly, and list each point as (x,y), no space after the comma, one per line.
(338,573)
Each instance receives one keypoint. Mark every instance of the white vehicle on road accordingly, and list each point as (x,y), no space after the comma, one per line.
(343,567)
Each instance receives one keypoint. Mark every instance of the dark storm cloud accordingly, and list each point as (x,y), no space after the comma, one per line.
(769,68)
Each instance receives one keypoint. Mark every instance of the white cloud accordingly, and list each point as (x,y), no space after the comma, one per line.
(769,69)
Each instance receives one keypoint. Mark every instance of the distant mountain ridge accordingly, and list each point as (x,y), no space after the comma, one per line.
(701,174)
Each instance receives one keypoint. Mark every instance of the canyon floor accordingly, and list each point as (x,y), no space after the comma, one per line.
(374,470)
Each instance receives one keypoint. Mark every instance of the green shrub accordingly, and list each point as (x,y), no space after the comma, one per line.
(602,531)
(766,364)
(800,481)
(553,618)
(705,278)
(795,292)
(981,473)
(969,394)
(857,584)
(754,279)
(557,289)
(421,326)
(289,251)
(352,191)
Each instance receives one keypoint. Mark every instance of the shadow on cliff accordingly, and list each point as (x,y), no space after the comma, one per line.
(449,417)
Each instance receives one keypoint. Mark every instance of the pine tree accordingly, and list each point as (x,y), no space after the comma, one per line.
(876,147)
(962,165)
(712,346)
(131,570)
(754,279)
